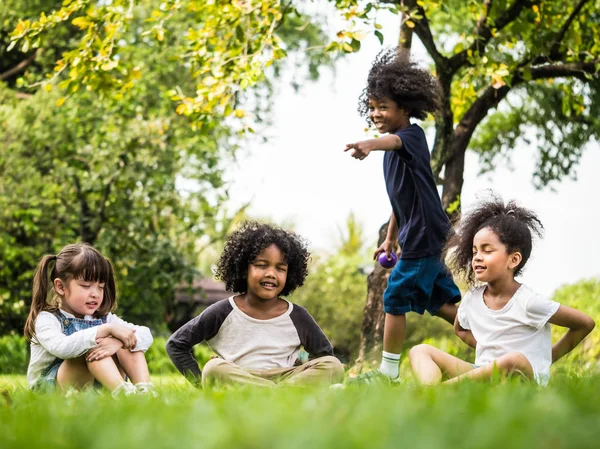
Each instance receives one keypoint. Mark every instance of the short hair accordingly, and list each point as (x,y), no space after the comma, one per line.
(395,77)
(246,243)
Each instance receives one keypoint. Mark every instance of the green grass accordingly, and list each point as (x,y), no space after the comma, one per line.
(503,415)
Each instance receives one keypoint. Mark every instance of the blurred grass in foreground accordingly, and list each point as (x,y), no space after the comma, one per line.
(505,414)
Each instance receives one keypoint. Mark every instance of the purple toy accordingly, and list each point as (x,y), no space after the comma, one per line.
(385,262)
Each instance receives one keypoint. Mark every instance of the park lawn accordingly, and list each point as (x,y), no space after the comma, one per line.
(509,414)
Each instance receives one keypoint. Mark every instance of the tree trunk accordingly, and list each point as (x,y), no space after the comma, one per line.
(373,317)
(453,182)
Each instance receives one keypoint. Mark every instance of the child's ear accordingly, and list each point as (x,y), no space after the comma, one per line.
(514,260)
(59,286)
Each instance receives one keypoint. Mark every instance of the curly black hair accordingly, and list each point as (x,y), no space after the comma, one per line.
(394,76)
(512,224)
(246,243)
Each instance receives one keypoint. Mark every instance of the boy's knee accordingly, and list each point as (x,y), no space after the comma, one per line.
(333,366)
(214,369)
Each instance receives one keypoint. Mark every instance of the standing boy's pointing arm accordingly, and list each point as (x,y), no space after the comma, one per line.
(361,150)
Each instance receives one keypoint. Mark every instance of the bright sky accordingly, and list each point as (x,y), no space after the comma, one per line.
(302,175)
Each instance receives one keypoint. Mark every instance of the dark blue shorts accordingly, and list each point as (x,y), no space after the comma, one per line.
(419,285)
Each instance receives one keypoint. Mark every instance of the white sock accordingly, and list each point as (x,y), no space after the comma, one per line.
(124,389)
(389,364)
(145,388)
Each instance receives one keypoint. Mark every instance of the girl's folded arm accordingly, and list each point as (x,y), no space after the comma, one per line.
(579,325)
(49,334)
(142,333)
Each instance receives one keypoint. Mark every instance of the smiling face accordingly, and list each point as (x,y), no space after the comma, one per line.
(80,297)
(387,116)
(491,260)
(267,274)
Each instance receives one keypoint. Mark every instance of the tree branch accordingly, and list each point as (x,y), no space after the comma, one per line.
(484,33)
(487,6)
(19,67)
(555,49)
(423,31)
(564,70)
(492,97)
(406,34)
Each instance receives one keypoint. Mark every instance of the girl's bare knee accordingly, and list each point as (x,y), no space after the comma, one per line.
(419,350)
(514,361)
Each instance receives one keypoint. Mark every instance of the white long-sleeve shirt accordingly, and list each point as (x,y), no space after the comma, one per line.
(50,342)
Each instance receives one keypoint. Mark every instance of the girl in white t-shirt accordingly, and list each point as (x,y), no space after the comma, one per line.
(507,323)
(75,339)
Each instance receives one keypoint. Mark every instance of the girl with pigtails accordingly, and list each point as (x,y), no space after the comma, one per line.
(505,321)
(76,340)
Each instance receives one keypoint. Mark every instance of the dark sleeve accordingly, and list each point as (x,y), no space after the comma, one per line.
(413,140)
(202,328)
(311,336)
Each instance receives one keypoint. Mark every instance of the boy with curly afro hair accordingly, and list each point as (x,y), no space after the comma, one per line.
(396,91)
(257,334)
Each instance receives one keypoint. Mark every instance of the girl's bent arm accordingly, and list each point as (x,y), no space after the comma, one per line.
(49,335)
(142,333)
(464,334)
(579,325)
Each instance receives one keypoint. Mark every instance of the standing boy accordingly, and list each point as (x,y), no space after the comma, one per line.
(396,91)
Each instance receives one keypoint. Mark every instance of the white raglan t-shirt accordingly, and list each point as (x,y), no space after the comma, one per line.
(520,326)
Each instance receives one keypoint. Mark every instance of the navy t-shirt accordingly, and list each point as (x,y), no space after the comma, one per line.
(422,223)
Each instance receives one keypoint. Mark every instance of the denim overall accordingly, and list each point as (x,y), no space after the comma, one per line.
(47,380)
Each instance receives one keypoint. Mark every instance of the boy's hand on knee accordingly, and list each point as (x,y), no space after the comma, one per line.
(107,347)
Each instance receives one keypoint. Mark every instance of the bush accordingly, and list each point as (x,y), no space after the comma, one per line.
(334,294)
(160,363)
(14,355)
(584,296)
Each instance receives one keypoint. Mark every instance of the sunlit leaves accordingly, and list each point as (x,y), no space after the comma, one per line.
(227,51)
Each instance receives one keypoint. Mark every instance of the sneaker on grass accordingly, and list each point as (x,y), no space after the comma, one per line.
(374,377)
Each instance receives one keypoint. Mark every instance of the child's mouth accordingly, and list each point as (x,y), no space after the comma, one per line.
(478,268)
(268,285)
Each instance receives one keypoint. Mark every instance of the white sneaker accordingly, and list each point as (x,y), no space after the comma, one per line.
(146,388)
(124,389)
